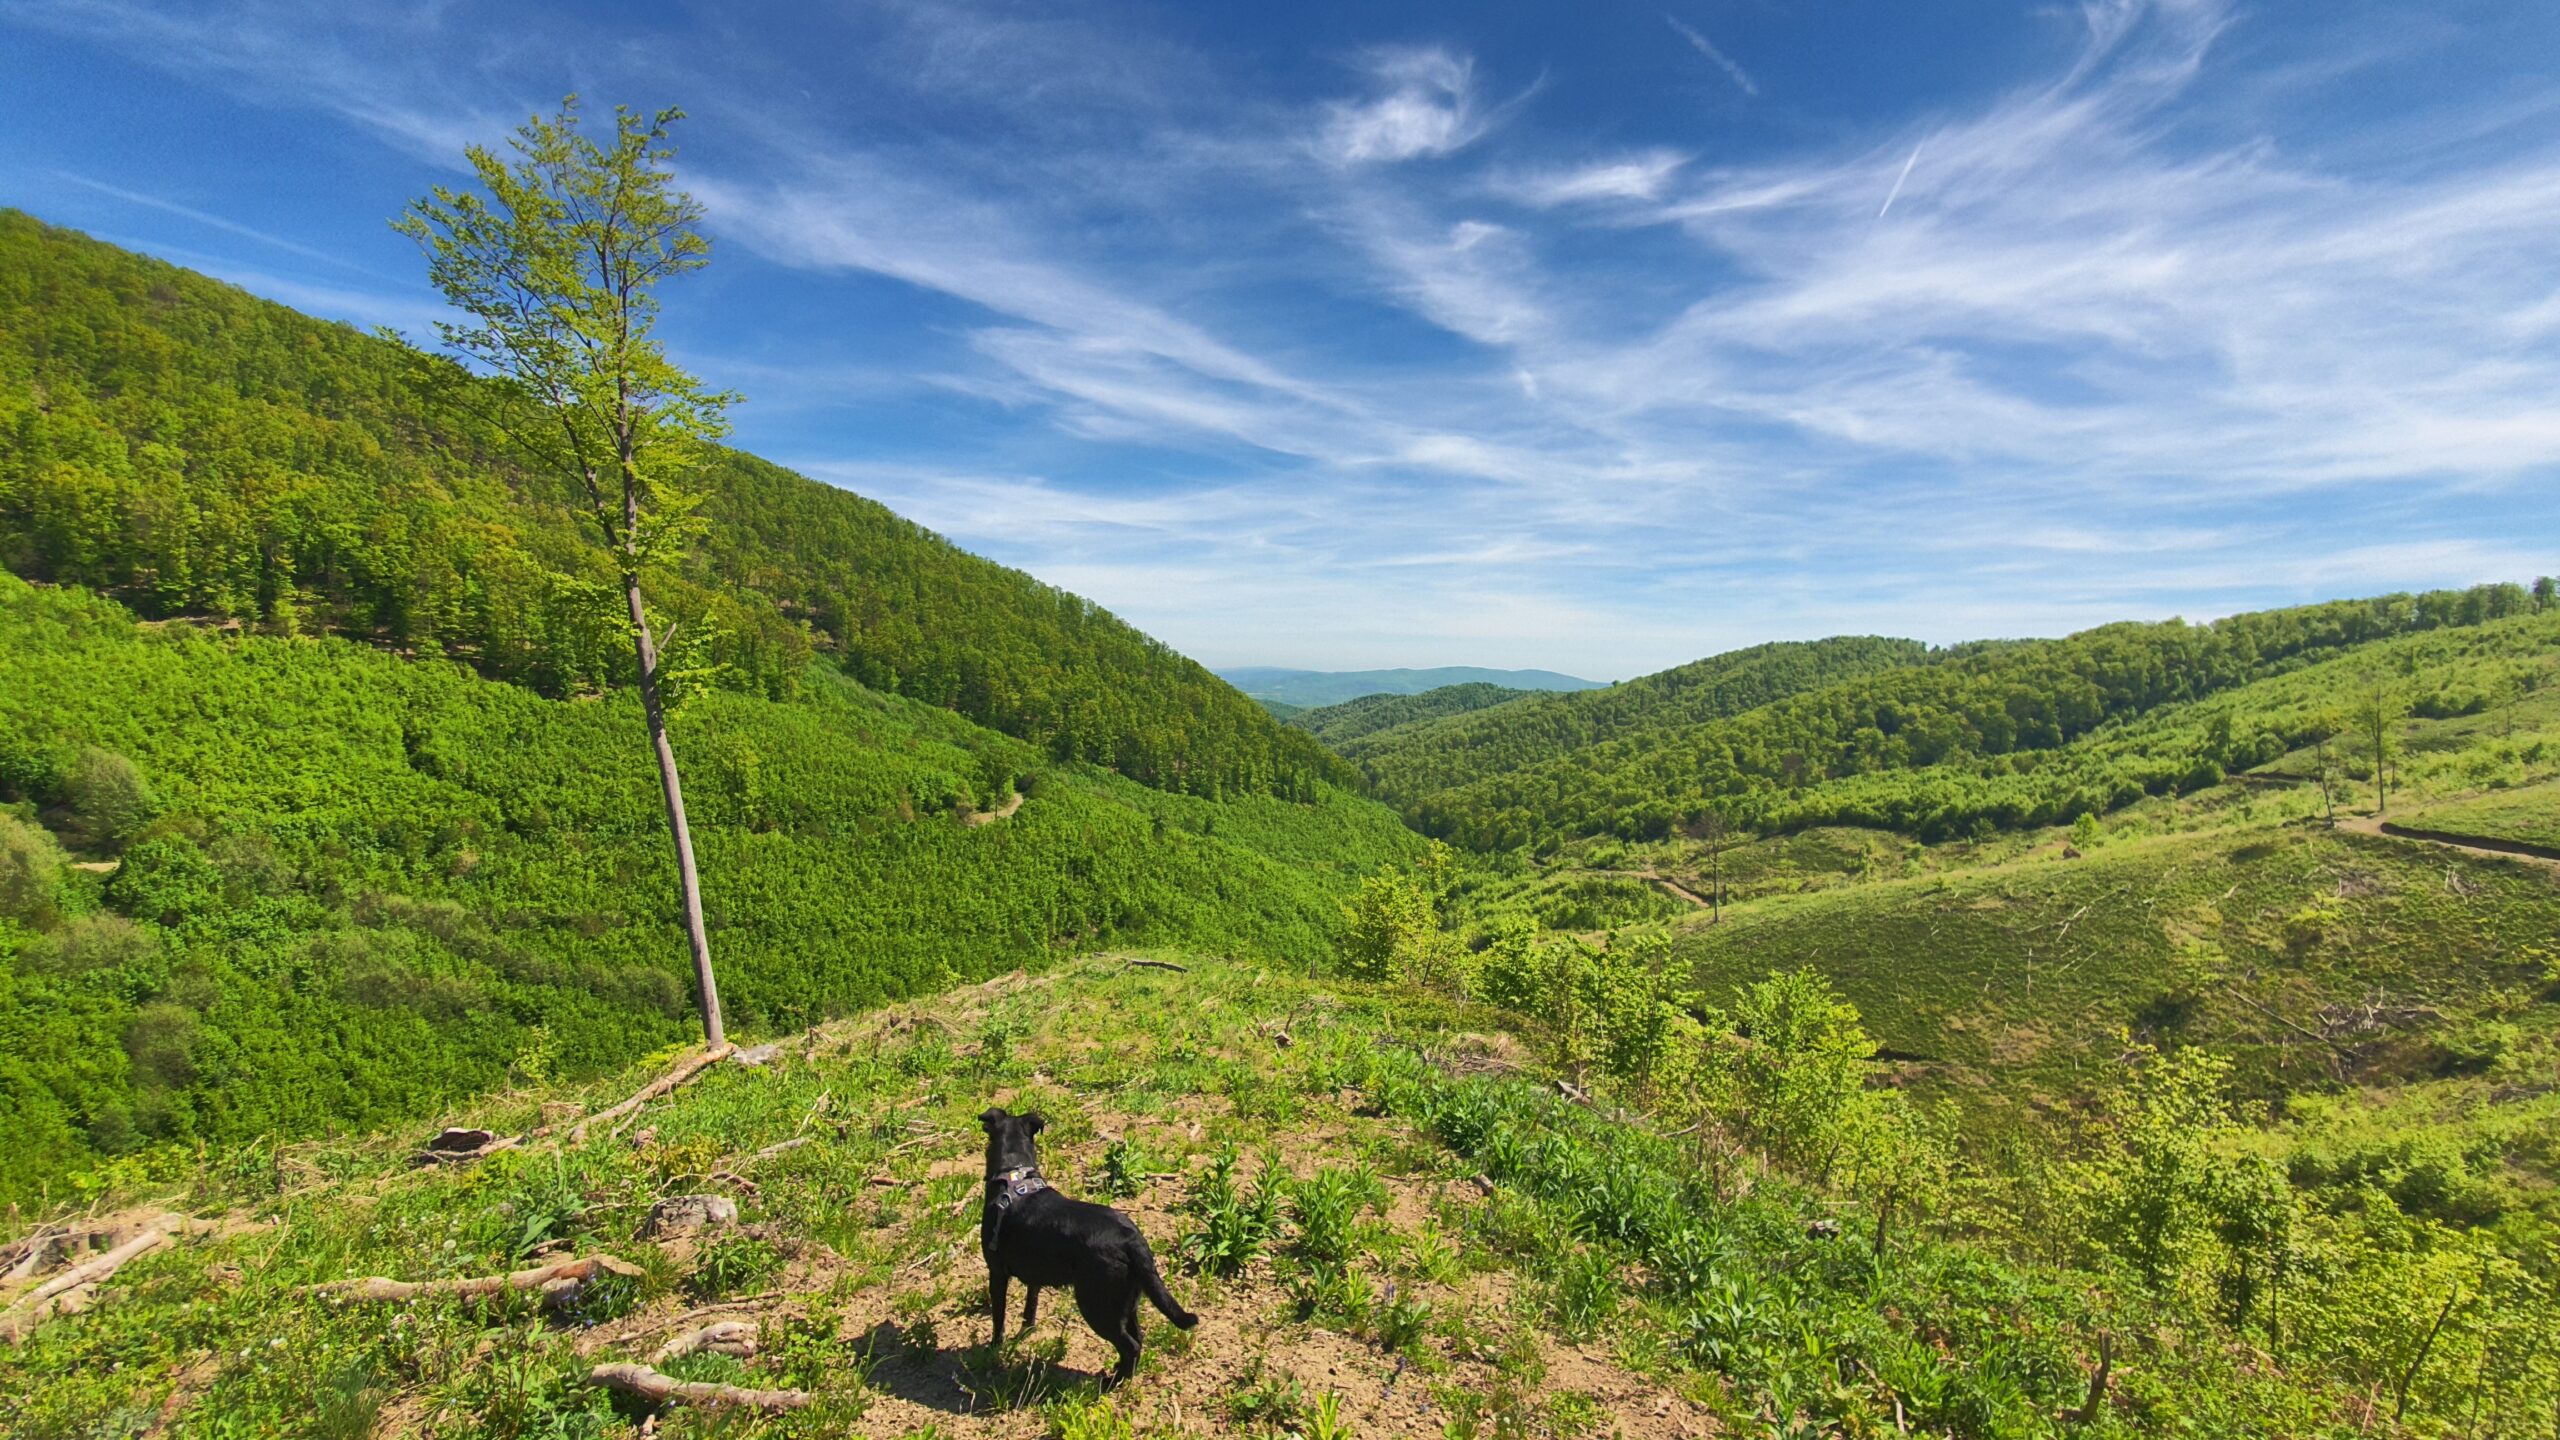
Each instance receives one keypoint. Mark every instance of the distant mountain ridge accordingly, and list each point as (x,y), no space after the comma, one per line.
(1332,687)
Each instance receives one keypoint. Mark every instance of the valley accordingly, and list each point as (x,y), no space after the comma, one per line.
(2150,1030)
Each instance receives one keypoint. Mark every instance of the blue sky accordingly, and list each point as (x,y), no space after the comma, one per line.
(1591,337)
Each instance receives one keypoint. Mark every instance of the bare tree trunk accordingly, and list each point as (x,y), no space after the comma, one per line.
(688,880)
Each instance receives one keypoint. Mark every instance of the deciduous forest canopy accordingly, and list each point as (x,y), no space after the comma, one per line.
(194,451)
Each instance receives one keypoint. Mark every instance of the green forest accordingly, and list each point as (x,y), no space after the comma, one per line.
(344,885)
(1940,744)
(1339,725)
(194,451)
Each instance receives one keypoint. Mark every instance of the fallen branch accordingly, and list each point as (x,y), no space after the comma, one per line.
(768,1152)
(725,1337)
(1159,965)
(2306,1033)
(557,1282)
(36,1304)
(644,1384)
(650,1091)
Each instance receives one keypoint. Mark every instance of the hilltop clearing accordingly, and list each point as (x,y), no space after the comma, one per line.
(1391,1220)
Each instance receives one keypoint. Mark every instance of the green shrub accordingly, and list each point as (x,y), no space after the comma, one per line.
(30,873)
(107,799)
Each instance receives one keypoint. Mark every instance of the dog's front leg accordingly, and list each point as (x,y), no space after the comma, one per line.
(1030,1306)
(997,1283)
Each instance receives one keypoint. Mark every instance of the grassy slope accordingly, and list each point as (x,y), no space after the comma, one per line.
(379,883)
(2018,977)
(2002,973)
(1596,1284)
(2530,814)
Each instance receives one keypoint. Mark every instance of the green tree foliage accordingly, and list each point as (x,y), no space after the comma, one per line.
(1413,765)
(30,873)
(105,800)
(556,269)
(1874,733)
(2151,1194)
(1398,925)
(197,452)
(378,884)
(1800,1064)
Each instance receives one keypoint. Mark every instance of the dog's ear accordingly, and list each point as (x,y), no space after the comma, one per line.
(1035,1122)
(992,1114)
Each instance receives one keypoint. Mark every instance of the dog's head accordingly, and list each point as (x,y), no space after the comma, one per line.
(1009,1142)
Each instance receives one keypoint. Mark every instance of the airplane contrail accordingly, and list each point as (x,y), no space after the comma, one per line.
(1896,191)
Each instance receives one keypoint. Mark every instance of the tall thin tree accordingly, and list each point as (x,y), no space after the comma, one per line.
(555,268)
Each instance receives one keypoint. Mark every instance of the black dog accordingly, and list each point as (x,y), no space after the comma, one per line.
(1032,1233)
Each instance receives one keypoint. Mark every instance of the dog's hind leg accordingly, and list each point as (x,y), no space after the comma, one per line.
(1108,1309)
(1030,1306)
(1130,1329)
(997,1282)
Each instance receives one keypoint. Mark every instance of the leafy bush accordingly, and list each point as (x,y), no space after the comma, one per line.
(107,801)
(1234,1223)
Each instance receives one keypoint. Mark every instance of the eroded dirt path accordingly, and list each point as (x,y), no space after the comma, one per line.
(2485,846)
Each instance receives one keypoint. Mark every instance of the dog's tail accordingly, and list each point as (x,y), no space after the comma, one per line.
(1152,1281)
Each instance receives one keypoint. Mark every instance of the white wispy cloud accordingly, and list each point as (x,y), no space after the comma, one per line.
(1635,177)
(1425,105)
(1706,47)
(1597,399)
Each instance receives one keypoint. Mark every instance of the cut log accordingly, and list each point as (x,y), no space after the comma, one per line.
(647,1385)
(558,1283)
(724,1337)
(651,1091)
(47,1297)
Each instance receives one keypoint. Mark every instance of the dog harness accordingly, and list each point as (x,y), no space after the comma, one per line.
(1017,1182)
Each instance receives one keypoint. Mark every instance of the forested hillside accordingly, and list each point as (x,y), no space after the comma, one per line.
(1414,765)
(324,885)
(192,450)
(1877,733)
(1339,725)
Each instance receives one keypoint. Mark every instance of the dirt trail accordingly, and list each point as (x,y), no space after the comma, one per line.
(1668,885)
(2484,846)
(1004,811)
